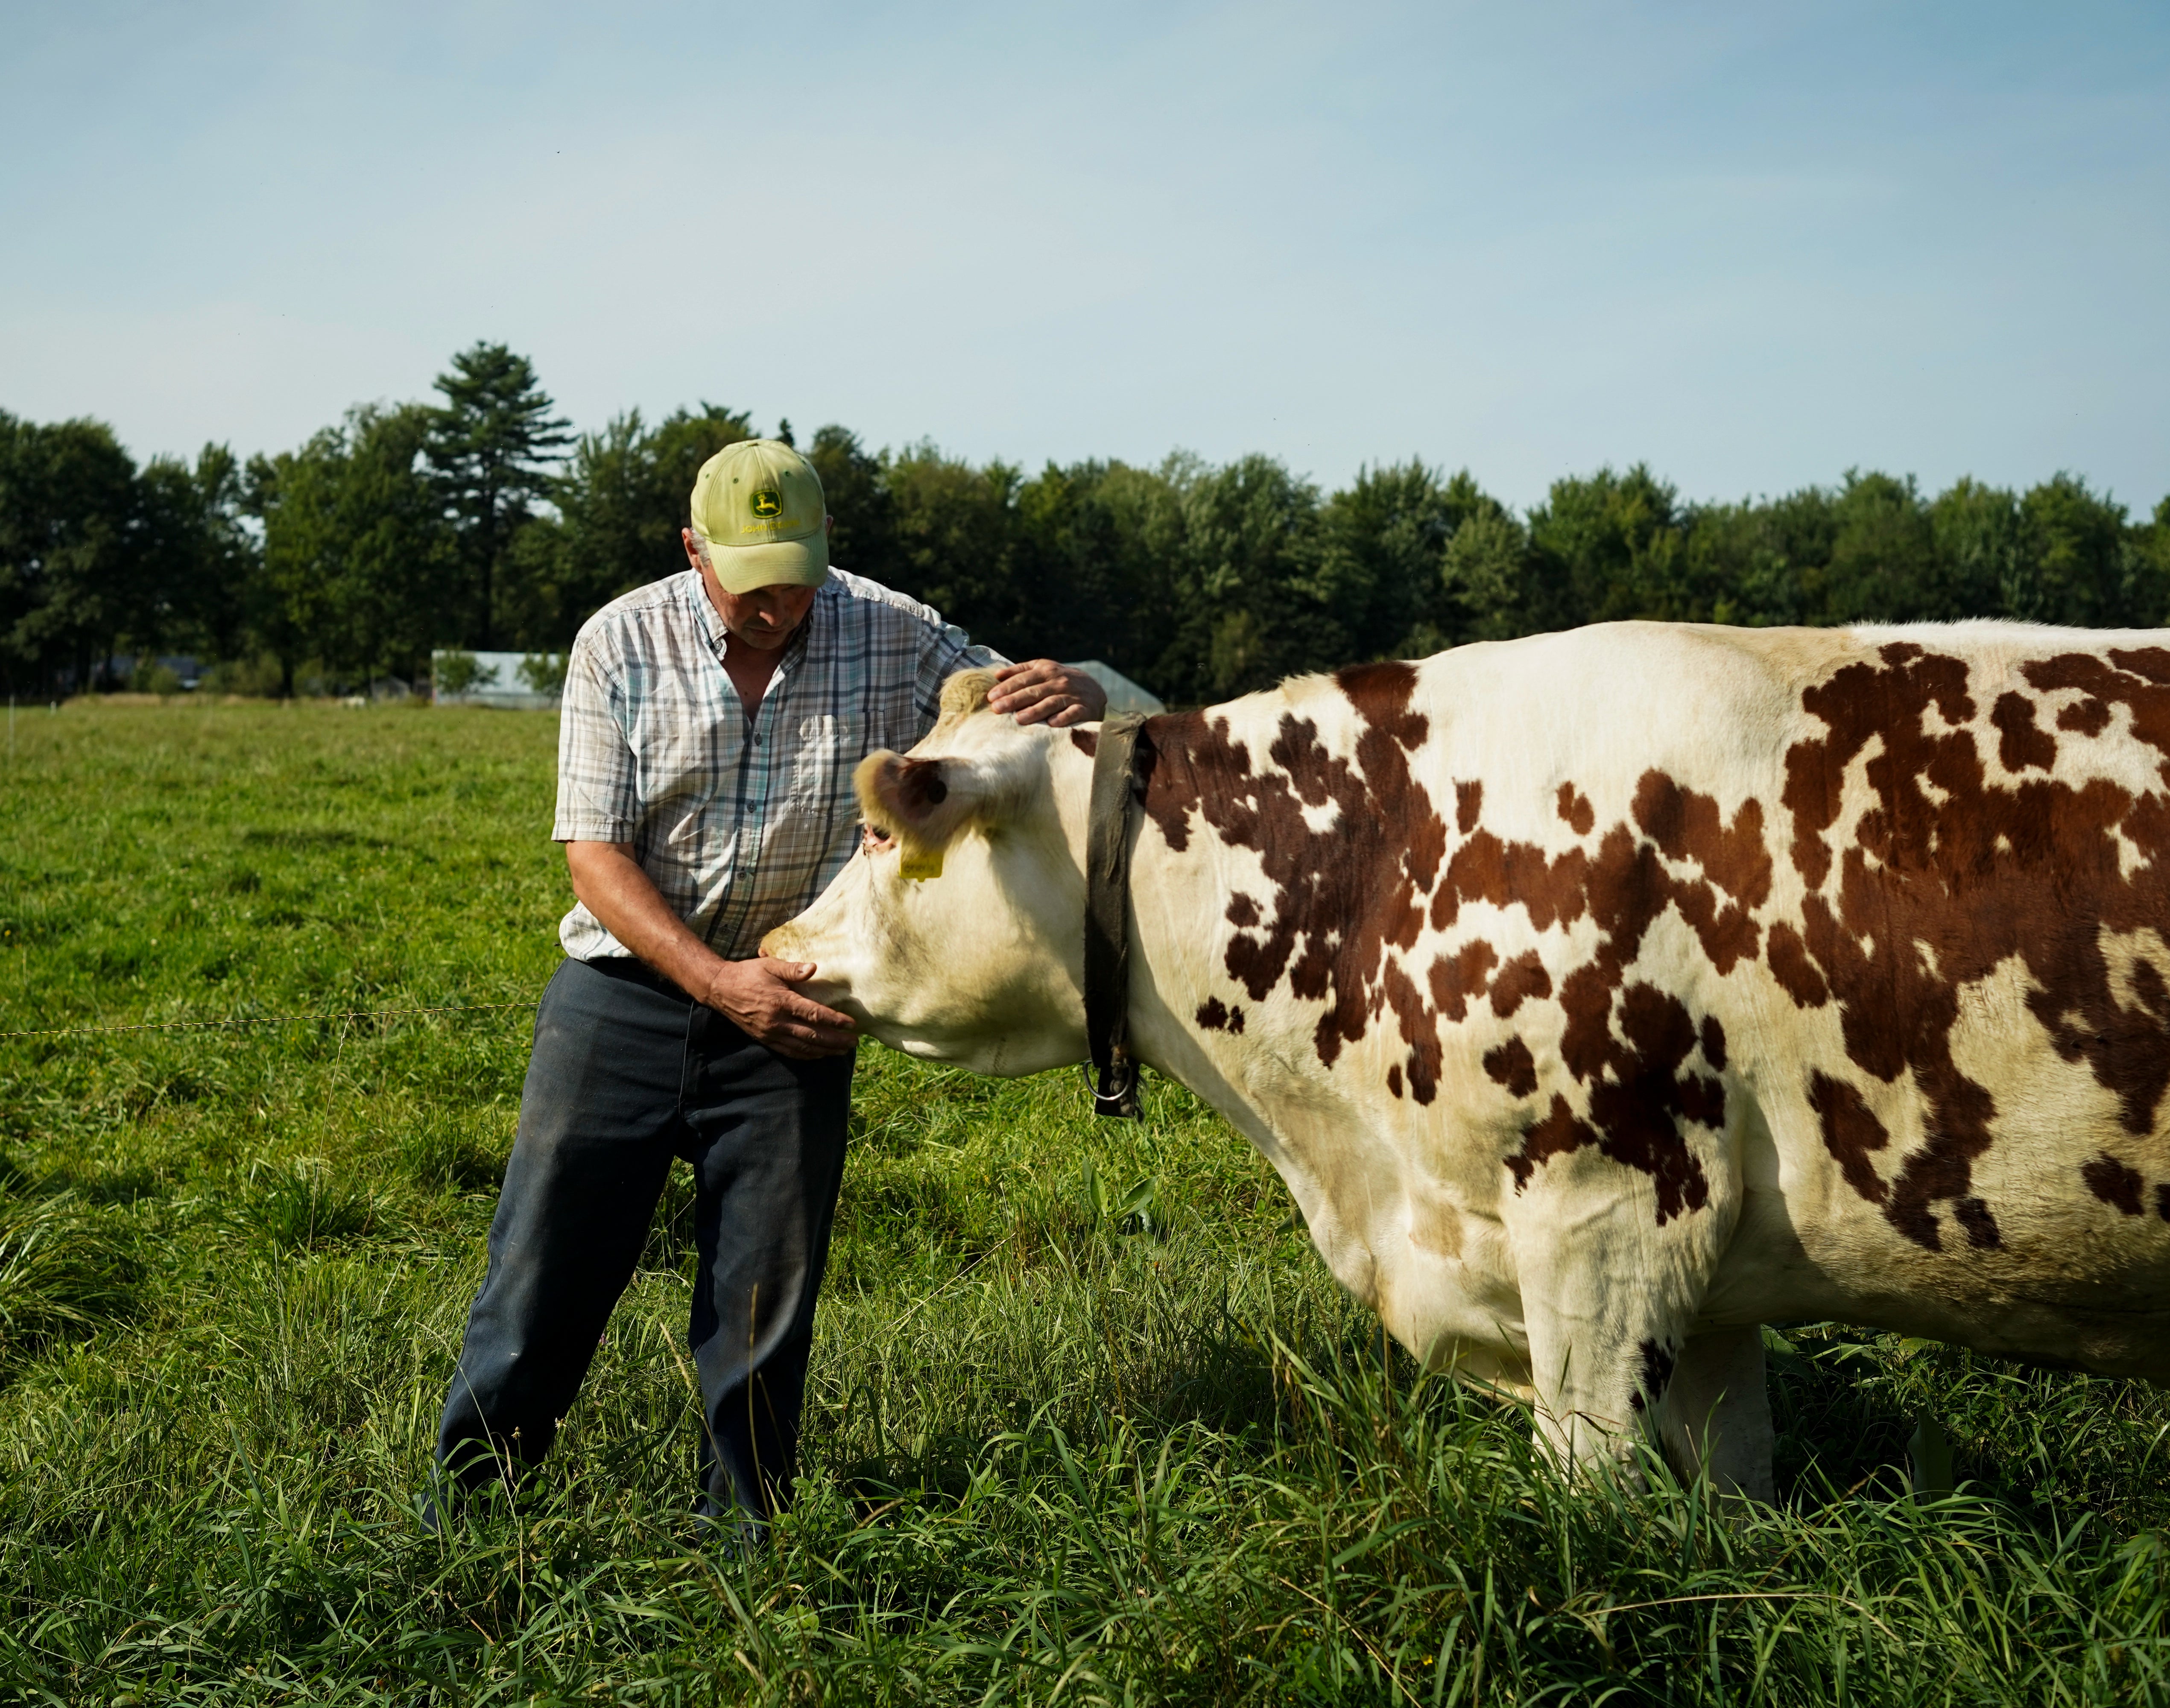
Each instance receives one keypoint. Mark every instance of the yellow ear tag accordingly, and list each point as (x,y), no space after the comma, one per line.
(919,867)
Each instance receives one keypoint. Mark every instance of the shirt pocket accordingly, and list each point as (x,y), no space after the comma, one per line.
(674,745)
(822,769)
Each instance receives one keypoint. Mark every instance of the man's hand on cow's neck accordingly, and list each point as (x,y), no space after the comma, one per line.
(1043,691)
(757,998)
(755,995)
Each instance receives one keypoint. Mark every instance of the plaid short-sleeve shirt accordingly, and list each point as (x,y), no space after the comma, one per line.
(740,822)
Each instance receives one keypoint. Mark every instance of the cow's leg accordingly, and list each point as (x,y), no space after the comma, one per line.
(1601,1359)
(1716,1416)
(1613,1279)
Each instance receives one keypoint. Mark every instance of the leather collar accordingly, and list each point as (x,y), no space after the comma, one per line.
(1117,795)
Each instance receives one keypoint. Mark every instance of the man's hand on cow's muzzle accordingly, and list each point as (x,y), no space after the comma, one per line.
(1043,691)
(757,996)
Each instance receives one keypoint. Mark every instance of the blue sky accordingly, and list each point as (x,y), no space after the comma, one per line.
(1753,245)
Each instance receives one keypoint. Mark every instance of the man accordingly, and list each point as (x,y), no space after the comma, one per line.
(711,723)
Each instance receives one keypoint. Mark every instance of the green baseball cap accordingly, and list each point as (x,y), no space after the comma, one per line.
(758,505)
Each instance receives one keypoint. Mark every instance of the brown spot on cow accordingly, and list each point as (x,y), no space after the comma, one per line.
(1469,806)
(1575,810)
(1688,827)
(2084,717)
(1086,742)
(1242,911)
(2148,985)
(1507,874)
(1857,702)
(1558,1133)
(2130,678)
(1654,1374)
(1851,1133)
(2020,744)
(2150,664)
(1630,888)
(1216,1016)
(1459,979)
(1638,1098)
(1713,1043)
(1981,1230)
(1638,1104)
(1522,980)
(1949,874)
(1419,1029)
(1512,1066)
(1178,753)
(2113,1183)
(1796,974)
(1381,693)
(1342,898)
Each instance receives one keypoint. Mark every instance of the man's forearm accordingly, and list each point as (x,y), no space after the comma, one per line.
(613,887)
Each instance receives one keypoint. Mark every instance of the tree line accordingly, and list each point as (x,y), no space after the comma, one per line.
(481,520)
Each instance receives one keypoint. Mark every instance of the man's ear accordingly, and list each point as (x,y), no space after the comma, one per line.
(923,803)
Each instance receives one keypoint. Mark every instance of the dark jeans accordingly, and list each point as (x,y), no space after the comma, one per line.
(628,1072)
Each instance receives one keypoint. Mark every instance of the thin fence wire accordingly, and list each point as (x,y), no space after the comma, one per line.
(261,1020)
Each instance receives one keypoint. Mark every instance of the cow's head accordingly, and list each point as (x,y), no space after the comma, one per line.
(956,932)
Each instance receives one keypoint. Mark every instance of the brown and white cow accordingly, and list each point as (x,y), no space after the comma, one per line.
(1603,995)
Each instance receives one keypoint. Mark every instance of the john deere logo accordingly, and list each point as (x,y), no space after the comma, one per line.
(768,502)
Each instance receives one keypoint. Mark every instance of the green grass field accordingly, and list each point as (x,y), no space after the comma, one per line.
(1089,1422)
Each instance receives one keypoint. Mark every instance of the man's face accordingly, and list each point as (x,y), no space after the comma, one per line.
(765,618)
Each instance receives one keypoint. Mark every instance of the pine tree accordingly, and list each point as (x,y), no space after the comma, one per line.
(488,446)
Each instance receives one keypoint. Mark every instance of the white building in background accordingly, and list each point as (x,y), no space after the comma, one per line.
(1123,694)
(509,681)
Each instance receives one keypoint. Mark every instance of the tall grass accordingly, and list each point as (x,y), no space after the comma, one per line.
(1088,1422)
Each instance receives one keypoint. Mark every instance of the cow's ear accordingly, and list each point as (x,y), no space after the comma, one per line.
(923,803)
